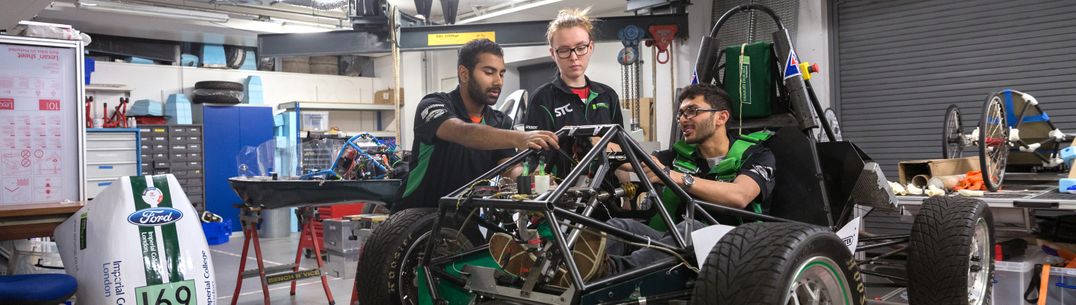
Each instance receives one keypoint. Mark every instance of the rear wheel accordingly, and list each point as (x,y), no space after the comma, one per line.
(952,134)
(993,142)
(779,263)
(950,255)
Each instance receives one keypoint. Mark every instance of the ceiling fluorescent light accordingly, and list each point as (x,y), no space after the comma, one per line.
(510,10)
(274,26)
(152,11)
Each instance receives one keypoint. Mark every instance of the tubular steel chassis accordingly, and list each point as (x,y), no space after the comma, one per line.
(804,106)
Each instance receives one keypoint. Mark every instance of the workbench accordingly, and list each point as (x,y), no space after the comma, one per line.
(33,220)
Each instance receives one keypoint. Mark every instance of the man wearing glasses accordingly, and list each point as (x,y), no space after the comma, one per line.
(712,164)
(571,98)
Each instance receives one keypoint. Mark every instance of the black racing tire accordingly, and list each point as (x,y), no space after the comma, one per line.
(215,99)
(219,85)
(951,252)
(389,257)
(771,263)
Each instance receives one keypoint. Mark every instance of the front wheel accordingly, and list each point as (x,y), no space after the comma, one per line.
(386,272)
(779,263)
(950,255)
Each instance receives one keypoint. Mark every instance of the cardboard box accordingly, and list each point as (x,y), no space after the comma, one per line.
(296,64)
(646,117)
(367,221)
(935,167)
(386,97)
(646,111)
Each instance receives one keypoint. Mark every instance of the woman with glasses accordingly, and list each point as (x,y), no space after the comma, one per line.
(571,98)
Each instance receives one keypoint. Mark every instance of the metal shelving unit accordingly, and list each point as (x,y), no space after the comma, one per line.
(320,156)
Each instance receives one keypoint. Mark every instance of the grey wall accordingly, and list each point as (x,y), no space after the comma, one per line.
(899,64)
(533,76)
(902,63)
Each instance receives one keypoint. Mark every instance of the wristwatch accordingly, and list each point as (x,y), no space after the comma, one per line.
(688,181)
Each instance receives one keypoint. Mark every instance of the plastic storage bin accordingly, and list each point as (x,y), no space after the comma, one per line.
(1062,286)
(1010,280)
(217,232)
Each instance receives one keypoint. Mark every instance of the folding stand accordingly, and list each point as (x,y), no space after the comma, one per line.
(250,217)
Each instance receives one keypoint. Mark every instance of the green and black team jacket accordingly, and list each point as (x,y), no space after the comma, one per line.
(439,167)
(554,105)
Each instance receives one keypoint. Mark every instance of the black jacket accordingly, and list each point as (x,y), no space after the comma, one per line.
(439,167)
(554,105)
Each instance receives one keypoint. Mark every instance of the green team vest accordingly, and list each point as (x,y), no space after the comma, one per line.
(725,171)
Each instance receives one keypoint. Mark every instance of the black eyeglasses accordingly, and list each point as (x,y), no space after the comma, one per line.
(564,53)
(692,112)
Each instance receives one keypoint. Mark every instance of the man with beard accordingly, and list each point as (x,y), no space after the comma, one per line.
(711,164)
(458,136)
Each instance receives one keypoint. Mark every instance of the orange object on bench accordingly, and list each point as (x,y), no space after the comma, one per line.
(972,181)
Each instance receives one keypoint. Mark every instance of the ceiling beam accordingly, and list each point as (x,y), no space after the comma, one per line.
(522,33)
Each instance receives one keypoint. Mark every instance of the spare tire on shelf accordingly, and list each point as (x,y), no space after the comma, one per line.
(215,99)
(220,85)
(217,92)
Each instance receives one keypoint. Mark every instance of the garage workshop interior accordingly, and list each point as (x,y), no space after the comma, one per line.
(457,152)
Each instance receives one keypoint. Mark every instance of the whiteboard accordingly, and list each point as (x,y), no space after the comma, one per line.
(39,115)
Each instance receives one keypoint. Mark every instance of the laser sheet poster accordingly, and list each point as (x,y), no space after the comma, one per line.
(38,135)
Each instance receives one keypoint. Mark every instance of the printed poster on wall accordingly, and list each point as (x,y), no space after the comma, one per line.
(38,135)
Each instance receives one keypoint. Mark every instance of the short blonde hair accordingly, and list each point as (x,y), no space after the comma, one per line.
(570,18)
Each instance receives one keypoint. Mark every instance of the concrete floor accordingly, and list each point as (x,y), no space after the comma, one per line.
(276,252)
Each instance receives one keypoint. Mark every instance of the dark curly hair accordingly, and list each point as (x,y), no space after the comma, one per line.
(714,95)
(469,52)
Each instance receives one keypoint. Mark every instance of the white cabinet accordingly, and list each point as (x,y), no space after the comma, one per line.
(110,153)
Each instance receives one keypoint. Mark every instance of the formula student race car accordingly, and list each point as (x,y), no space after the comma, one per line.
(792,255)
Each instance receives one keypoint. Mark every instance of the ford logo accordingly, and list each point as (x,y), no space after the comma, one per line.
(154,216)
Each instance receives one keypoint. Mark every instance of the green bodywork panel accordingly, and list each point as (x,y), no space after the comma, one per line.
(655,283)
(455,295)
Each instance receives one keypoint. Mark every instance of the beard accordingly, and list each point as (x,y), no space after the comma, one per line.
(481,95)
(702,132)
